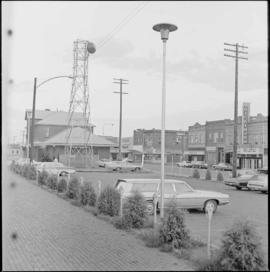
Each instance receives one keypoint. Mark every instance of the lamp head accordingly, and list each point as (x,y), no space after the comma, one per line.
(91,48)
(164,29)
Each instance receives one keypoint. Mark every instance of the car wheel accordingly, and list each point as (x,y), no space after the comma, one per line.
(264,192)
(137,169)
(210,203)
(150,208)
(64,173)
(238,188)
(117,169)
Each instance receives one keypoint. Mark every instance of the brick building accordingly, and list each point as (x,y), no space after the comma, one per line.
(175,142)
(196,143)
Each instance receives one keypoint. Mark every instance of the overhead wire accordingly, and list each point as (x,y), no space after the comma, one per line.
(130,16)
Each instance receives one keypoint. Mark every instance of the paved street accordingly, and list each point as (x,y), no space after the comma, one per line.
(51,234)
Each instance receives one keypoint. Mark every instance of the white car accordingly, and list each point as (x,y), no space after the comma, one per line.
(55,168)
(184,164)
(123,165)
(185,196)
(102,162)
(258,183)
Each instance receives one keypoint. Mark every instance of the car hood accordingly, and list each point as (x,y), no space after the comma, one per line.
(211,194)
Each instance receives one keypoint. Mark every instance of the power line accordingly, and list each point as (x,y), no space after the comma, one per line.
(130,16)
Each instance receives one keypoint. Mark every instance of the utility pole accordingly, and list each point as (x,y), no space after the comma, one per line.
(120,81)
(33,121)
(236,56)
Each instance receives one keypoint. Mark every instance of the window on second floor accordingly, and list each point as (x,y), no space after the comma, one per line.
(47,132)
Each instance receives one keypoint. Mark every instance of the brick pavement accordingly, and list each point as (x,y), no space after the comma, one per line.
(52,234)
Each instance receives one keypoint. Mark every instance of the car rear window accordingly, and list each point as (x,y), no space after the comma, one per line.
(182,188)
(144,187)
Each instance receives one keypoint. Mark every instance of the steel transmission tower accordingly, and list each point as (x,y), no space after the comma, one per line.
(79,108)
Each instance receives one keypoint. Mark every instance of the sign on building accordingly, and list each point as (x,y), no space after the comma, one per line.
(245,118)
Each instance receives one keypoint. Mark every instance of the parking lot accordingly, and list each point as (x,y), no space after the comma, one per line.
(243,204)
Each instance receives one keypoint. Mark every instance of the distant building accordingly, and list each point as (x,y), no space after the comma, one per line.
(14,151)
(196,143)
(150,140)
(50,135)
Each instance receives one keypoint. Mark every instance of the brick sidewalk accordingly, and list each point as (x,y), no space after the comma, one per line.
(52,234)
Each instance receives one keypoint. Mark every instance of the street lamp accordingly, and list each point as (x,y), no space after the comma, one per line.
(164,30)
(31,153)
(106,124)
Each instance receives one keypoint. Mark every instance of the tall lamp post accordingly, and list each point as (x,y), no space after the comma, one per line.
(31,153)
(164,30)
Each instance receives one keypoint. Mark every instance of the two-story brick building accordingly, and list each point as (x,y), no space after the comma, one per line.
(196,143)
(151,141)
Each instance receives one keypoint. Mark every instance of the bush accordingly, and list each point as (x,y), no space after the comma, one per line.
(62,185)
(73,188)
(87,194)
(135,210)
(241,249)
(208,175)
(109,201)
(196,174)
(25,170)
(42,177)
(32,174)
(220,176)
(52,182)
(122,222)
(206,264)
(151,238)
(173,230)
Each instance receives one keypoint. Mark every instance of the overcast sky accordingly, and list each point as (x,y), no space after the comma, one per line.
(200,80)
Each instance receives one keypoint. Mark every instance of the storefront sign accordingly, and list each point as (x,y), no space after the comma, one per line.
(245,117)
(194,152)
(211,148)
(248,150)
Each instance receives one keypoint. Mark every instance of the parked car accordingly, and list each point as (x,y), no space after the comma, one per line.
(263,170)
(55,168)
(186,197)
(259,183)
(222,166)
(184,164)
(199,164)
(123,165)
(102,162)
(241,181)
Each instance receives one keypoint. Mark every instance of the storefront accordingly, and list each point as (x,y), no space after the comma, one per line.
(247,157)
(194,155)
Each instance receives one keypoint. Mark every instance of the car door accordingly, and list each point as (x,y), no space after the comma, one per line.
(186,196)
(169,193)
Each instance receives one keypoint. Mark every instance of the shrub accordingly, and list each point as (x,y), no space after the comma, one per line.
(52,182)
(87,194)
(206,264)
(109,201)
(25,170)
(12,166)
(122,222)
(32,174)
(42,177)
(73,188)
(196,174)
(208,175)
(173,229)
(62,185)
(151,238)
(241,249)
(135,209)
(220,176)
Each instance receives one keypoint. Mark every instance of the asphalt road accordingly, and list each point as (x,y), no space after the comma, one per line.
(243,205)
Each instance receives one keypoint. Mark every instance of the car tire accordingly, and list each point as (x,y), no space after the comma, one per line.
(137,169)
(208,203)
(63,173)
(238,188)
(117,169)
(264,192)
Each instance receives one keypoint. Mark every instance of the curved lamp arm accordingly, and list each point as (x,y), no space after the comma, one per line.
(52,79)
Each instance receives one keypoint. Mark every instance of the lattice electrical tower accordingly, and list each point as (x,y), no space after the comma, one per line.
(78,122)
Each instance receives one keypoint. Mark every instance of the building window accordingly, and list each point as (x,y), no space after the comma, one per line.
(210,136)
(215,137)
(47,132)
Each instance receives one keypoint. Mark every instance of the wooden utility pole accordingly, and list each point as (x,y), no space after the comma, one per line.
(33,121)
(120,81)
(236,56)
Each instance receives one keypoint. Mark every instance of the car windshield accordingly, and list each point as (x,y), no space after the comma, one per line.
(182,188)
(145,187)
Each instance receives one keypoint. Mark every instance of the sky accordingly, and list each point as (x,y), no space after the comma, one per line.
(199,78)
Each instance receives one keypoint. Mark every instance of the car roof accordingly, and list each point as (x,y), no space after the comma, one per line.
(149,180)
